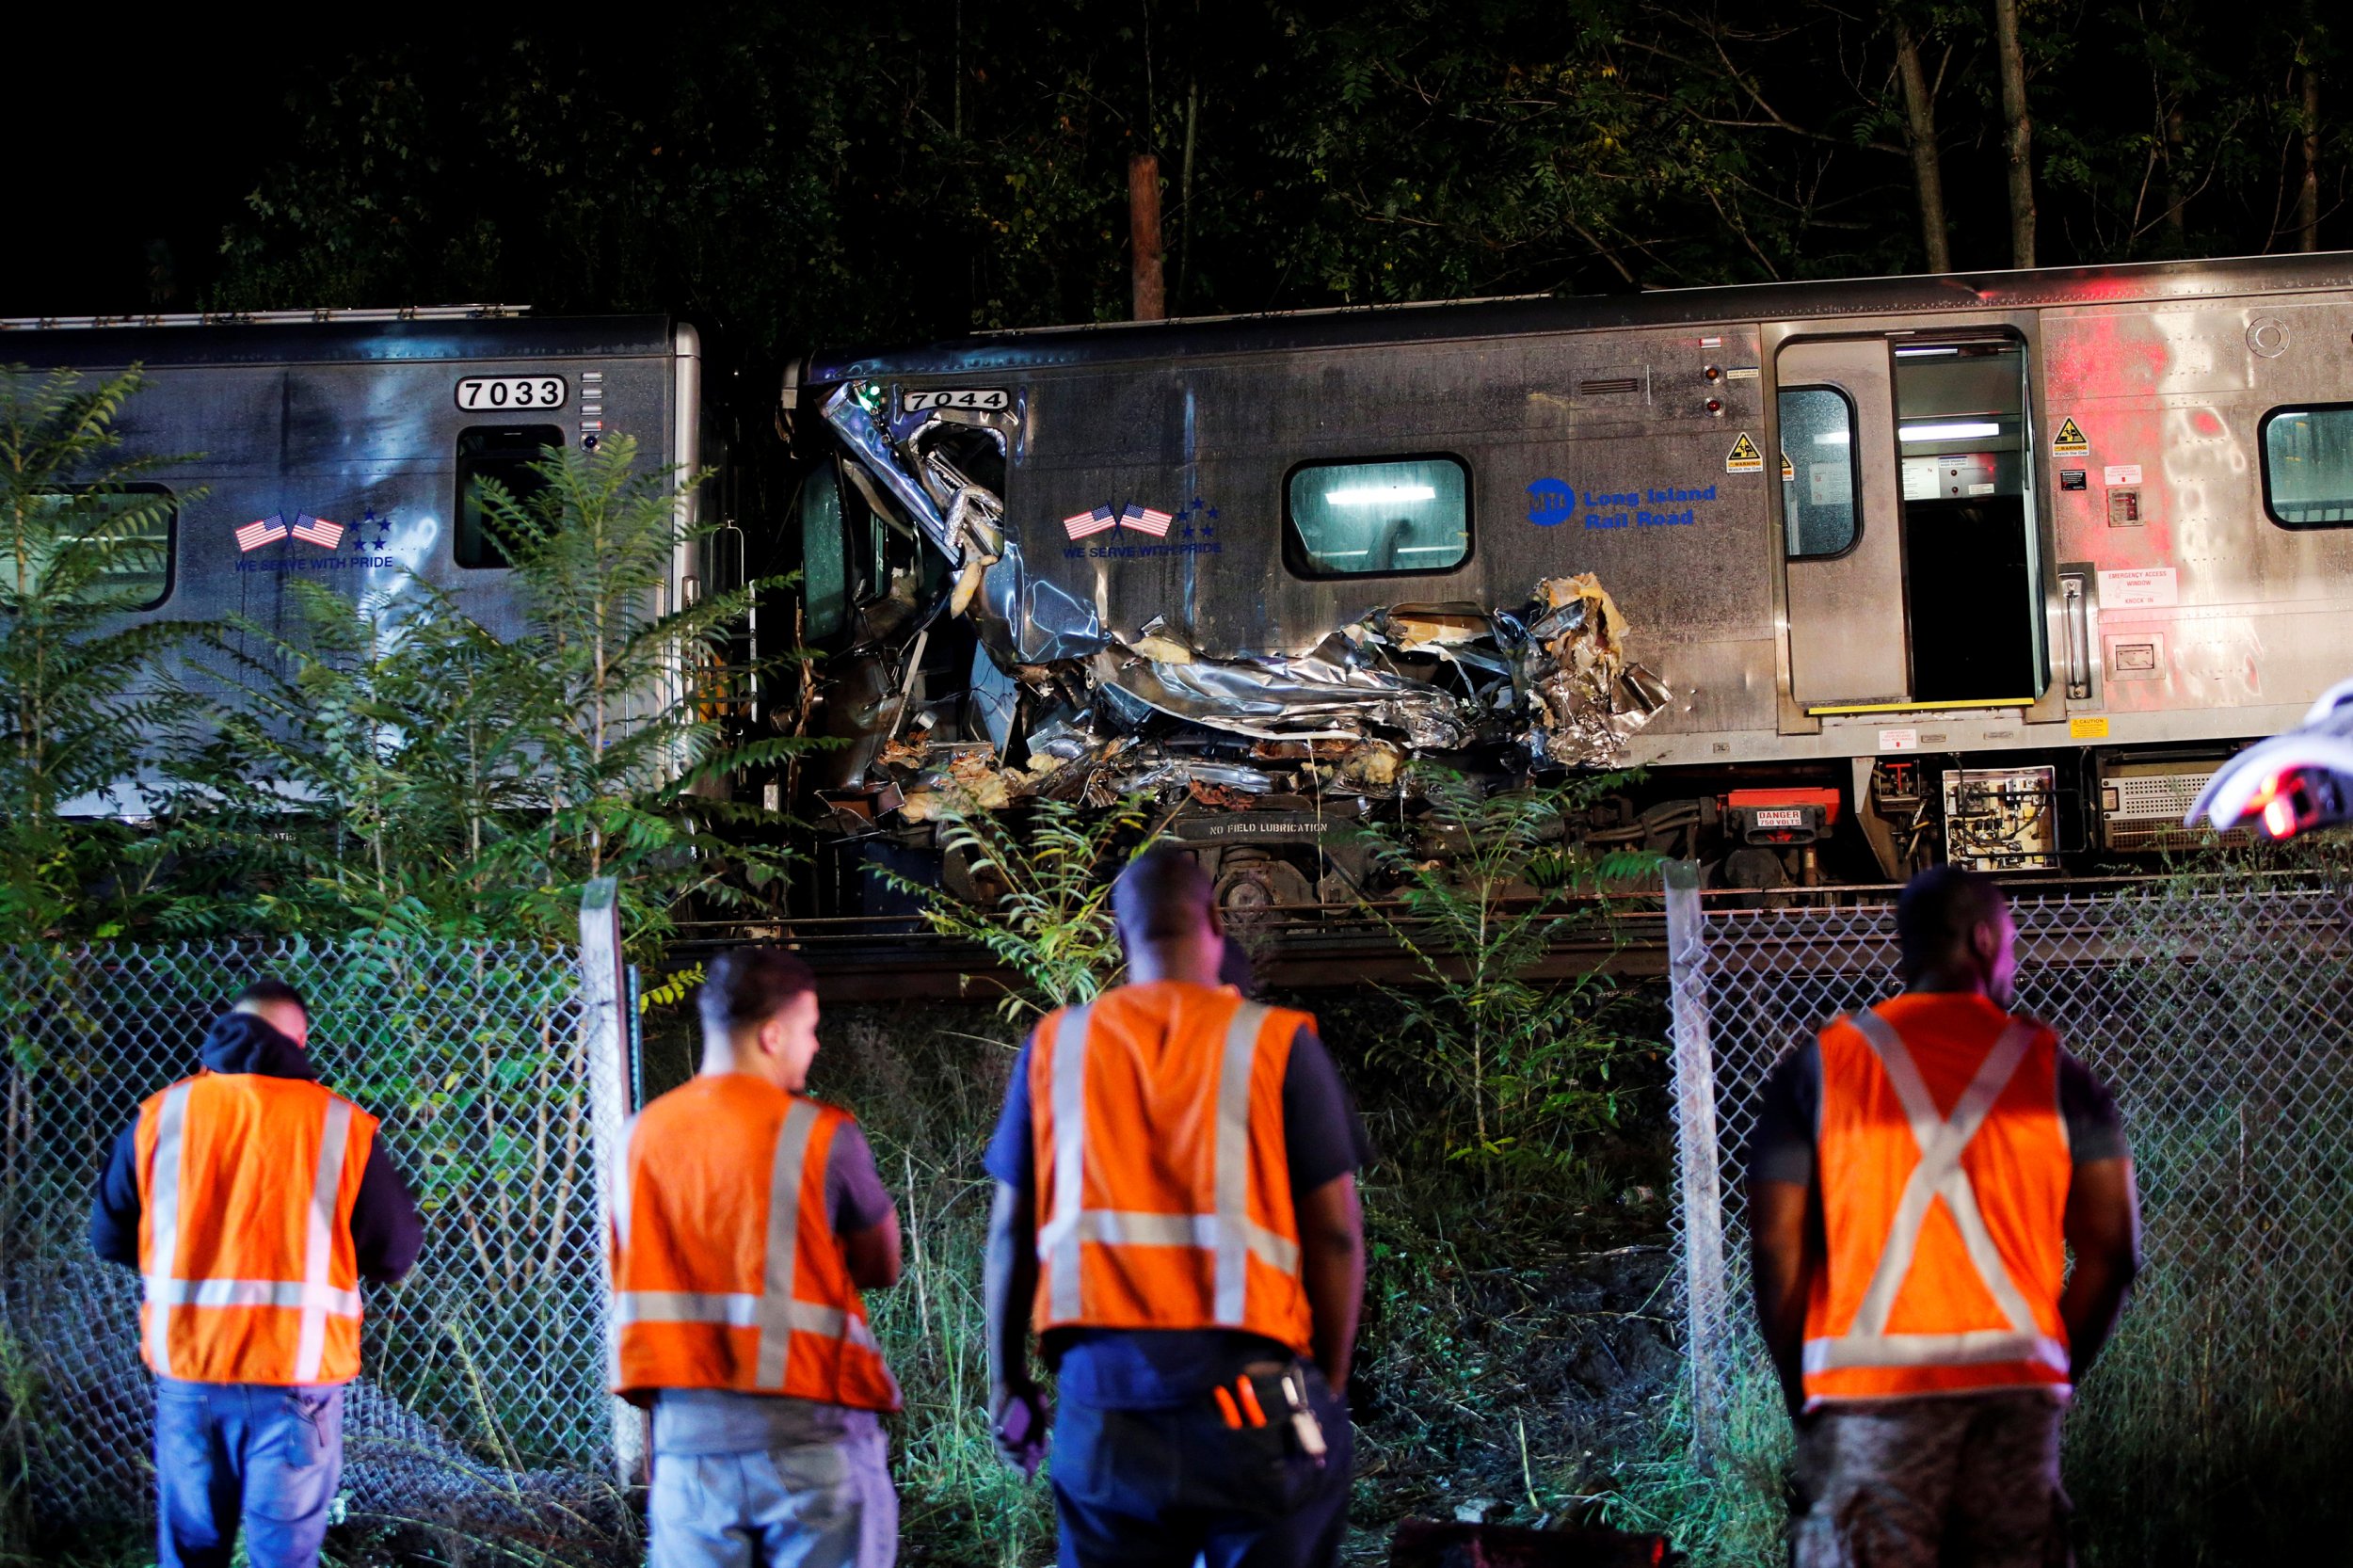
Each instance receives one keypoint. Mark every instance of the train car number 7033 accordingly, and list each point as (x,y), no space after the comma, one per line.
(511,391)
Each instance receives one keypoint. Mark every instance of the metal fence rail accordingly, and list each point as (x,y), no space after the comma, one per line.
(2219,1015)
(481,1404)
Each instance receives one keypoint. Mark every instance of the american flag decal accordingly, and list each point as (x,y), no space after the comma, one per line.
(268,530)
(1144,519)
(318,531)
(1079,524)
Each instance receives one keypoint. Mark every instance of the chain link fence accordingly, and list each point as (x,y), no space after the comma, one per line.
(481,1409)
(2217,1426)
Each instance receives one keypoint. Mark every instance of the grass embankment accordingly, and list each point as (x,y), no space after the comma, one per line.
(1516,1354)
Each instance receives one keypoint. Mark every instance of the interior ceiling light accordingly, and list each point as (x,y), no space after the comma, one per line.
(1956,430)
(1834,437)
(1922,353)
(1379,495)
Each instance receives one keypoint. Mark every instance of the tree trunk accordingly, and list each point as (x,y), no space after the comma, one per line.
(2308,198)
(1144,233)
(1928,168)
(2017,132)
(2176,182)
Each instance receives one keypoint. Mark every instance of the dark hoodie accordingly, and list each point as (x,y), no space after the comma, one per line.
(385,1231)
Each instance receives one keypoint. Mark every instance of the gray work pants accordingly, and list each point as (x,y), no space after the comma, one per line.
(821,1505)
(1960,1480)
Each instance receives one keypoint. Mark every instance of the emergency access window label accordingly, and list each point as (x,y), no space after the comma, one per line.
(512,392)
(2140,588)
(987,400)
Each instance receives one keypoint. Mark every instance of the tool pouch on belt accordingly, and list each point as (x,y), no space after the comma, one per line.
(1274,1415)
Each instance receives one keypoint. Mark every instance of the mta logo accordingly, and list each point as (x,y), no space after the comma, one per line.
(1550,502)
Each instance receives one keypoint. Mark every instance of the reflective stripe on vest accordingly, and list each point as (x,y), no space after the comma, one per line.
(1228,1234)
(774,1312)
(1939,1175)
(313,1295)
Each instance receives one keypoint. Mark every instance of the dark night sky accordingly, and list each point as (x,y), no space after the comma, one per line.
(172,116)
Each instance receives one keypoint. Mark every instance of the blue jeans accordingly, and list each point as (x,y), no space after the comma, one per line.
(225,1451)
(821,1505)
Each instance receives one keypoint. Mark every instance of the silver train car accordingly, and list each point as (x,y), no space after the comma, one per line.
(347,447)
(1994,568)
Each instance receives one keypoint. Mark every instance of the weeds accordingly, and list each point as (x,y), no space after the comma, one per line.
(1510,1072)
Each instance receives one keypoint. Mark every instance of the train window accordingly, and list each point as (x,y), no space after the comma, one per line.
(125,539)
(1818,471)
(2308,466)
(825,558)
(504,453)
(1393,518)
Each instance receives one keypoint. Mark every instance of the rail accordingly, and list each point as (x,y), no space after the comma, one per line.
(1312,947)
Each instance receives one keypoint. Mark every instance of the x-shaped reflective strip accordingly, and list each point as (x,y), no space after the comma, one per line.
(1228,1234)
(311,1295)
(1942,1141)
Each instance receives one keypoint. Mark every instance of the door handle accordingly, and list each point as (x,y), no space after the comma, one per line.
(2075,610)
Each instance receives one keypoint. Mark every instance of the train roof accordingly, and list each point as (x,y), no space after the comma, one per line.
(1357,325)
(325,337)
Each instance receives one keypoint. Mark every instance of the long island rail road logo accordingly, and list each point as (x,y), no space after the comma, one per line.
(1553,501)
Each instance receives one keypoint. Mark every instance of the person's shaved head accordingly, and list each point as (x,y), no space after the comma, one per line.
(1163,896)
(1940,912)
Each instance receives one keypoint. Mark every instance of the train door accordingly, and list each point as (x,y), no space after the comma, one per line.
(1909,524)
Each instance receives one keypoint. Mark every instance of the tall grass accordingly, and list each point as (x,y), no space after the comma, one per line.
(927,1095)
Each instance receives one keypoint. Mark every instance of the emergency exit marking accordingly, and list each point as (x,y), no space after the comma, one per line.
(2122,474)
(1744,457)
(511,391)
(2070,440)
(1900,739)
(2087,729)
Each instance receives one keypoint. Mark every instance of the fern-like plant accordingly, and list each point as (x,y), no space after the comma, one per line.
(1513,1068)
(83,541)
(1052,923)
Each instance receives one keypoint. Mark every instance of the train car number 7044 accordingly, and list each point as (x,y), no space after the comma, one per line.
(511,391)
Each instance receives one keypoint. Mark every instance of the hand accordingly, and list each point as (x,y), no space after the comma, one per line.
(1017,1419)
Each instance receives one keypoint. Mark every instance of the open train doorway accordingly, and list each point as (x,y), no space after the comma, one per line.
(1909,529)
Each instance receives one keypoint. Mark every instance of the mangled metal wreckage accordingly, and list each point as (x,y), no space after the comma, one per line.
(1075,711)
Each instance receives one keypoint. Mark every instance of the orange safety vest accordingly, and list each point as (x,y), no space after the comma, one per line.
(1163,1183)
(247,1184)
(1944,1179)
(727,1272)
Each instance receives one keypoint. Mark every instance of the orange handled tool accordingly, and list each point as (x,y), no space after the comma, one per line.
(1250,1401)
(1225,1407)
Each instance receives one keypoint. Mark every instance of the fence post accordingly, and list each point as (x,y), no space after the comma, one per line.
(605,1037)
(1699,1193)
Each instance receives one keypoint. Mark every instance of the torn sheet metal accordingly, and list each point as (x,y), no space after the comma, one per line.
(1149,712)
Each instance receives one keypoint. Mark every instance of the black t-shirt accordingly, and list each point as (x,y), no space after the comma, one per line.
(1157,1368)
(1781,1146)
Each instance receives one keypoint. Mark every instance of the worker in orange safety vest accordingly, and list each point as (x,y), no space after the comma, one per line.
(1916,1179)
(747,1217)
(253,1200)
(1177,1214)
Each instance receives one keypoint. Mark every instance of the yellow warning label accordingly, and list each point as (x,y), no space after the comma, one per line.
(2087,729)
(1744,457)
(1788,470)
(2070,440)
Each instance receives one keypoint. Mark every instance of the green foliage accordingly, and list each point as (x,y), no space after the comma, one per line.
(928,172)
(1045,908)
(392,764)
(79,545)
(1514,1069)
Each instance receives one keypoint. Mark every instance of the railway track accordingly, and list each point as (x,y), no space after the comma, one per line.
(888,958)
